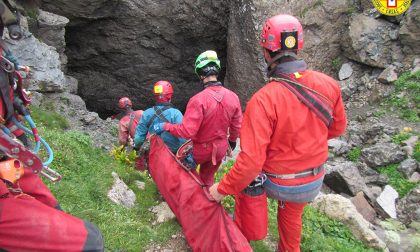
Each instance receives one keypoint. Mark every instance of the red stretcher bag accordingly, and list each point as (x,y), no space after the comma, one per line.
(251,215)
(205,223)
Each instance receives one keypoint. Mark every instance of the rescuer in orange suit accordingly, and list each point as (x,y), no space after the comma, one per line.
(128,123)
(283,137)
(209,117)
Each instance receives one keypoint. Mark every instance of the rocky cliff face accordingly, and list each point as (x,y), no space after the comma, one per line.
(121,48)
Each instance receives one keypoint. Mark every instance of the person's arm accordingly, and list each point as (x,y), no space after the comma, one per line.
(235,124)
(190,123)
(141,131)
(256,131)
(339,123)
(122,132)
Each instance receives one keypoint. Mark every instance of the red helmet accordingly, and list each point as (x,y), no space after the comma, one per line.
(281,33)
(163,91)
(124,102)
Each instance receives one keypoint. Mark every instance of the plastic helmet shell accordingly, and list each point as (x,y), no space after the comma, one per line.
(205,58)
(163,91)
(272,33)
(124,102)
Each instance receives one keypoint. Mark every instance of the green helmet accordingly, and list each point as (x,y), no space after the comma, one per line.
(206,58)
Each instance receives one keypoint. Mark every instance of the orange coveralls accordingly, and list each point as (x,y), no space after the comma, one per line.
(208,117)
(123,131)
(281,135)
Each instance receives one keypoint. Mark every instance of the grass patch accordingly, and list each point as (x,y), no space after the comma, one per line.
(354,154)
(50,120)
(397,180)
(86,172)
(406,98)
(400,137)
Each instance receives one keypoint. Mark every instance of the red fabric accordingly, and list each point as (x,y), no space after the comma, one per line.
(209,116)
(251,215)
(281,135)
(289,222)
(140,163)
(29,225)
(32,185)
(206,225)
(123,131)
(205,154)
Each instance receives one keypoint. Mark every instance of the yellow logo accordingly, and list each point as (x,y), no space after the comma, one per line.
(290,42)
(391,7)
(158,89)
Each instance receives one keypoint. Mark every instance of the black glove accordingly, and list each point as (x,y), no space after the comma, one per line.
(135,147)
(232,145)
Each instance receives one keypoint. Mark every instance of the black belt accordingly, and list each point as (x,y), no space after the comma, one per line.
(306,173)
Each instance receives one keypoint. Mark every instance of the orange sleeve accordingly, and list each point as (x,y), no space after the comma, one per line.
(339,124)
(257,126)
(122,132)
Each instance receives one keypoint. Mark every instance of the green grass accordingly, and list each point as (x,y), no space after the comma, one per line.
(397,180)
(354,154)
(49,119)
(86,173)
(416,152)
(406,98)
(400,137)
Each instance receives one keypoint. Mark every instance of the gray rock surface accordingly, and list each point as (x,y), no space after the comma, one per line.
(121,194)
(389,75)
(382,154)
(345,71)
(121,48)
(163,212)
(363,207)
(408,208)
(344,177)
(46,74)
(387,201)
(410,31)
(370,41)
(341,209)
(408,167)
(51,30)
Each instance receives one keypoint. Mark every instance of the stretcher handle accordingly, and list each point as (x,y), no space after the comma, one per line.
(50,174)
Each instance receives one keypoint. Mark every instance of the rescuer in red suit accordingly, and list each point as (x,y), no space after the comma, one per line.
(285,130)
(212,119)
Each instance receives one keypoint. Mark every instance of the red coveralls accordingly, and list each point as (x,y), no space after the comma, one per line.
(29,220)
(281,135)
(123,131)
(208,117)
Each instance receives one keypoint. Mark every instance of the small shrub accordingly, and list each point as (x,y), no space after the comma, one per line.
(120,154)
(397,180)
(336,64)
(229,201)
(400,137)
(354,154)
(406,97)
(49,119)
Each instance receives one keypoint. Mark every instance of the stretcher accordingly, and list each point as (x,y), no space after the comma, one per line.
(206,225)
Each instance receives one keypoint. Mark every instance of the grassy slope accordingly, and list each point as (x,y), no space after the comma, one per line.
(87,178)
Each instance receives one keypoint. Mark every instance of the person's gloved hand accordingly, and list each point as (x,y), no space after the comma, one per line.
(158,128)
(232,145)
(135,147)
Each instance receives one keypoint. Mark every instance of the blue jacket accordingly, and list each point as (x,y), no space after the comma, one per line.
(173,115)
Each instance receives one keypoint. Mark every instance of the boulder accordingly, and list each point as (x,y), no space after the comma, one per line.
(408,167)
(51,30)
(389,75)
(408,208)
(363,207)
(387,201)
(410,31)
(382,154)
(121,194)
(345,71)
(371,41)
(341,209)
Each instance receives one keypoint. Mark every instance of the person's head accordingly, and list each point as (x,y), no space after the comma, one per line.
(282,37)
(207,66)
(125,103)
(10,19)
(162,90)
